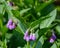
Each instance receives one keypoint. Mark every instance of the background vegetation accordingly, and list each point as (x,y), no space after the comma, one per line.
(42,17)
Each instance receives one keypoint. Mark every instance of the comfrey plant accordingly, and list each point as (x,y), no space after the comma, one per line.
(11,25)
(35,18)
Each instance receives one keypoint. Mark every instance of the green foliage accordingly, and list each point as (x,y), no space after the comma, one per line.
(54,46)
(40,17)
(47,22)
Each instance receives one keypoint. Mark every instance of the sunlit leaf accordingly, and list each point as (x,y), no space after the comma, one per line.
(54,45)
(1,9)
(47,22)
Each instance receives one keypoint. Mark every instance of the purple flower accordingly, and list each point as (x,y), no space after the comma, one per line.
(28,37)
(10,3)
(26,34)
(52,38)
(32,36)
(10,24)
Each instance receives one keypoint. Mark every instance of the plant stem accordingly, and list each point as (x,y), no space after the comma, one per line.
(35,42)
(28,46)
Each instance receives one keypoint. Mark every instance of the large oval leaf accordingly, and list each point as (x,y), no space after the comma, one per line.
(48,21)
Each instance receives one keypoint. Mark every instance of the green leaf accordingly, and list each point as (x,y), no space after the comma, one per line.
(16,13)
(42,6)
(8,36)
(0,42)
(46,44)
(35,23)
(1,24)
(48,21)
(40,42)
(58,43)
(17,39)
(24,11)
(8,10)
(1,9)
(54,45)
(20,25)
(41,32)
(7,7)
(2,1)
(47,9)
(29,2)
(58,29)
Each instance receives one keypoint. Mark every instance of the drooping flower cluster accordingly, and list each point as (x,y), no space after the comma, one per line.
(11,25)
(52,38)
(28,37)
(32,36)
